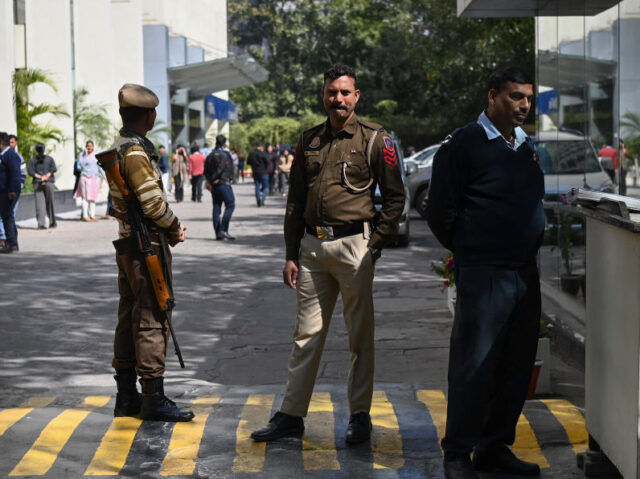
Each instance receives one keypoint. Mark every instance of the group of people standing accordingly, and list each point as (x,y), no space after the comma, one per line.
(270,167)
(13,175)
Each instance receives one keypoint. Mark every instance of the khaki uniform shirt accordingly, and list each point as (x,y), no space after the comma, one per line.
(319,194)
(145,180)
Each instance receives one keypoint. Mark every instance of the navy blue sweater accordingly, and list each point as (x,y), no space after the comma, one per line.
(485,200)
(10,177)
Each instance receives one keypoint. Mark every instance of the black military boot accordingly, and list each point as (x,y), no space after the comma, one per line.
(128,399)
(158,407)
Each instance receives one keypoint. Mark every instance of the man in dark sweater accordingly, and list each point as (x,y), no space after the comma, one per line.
(259,162)
(485,205)
(218,171)
(9,192)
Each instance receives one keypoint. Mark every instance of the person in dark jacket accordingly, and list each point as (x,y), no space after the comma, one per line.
(9,192)
(485,205)
(259,162)
(219,173)
(42,170)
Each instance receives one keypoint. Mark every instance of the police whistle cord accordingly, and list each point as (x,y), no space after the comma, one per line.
(110,162)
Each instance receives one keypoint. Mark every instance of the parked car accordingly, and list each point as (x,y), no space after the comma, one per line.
(568,160)
(419,167)
(404,227)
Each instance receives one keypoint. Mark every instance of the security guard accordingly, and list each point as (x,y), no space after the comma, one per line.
(141,337)
(332,246)
(485,205)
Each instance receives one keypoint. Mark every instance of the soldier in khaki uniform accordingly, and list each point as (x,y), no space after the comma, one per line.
(141,336)
(332,247)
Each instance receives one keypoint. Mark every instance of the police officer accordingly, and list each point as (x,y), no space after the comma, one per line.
(485,205)
(219,173)
(332,247)
(141,336)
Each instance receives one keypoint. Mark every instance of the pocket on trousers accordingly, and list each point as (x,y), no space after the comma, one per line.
(148,319)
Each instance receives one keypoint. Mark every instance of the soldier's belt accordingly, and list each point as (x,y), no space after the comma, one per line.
(335,232)
(130,245)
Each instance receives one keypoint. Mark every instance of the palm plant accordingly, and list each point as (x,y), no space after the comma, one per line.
(631,121)
(29,130)
(90,121)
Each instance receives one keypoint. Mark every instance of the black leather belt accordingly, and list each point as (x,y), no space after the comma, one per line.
(335,232)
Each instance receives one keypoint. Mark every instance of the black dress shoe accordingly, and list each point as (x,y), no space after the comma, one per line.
(220,237)
(8,249)
(501,459)
(459,468)
(359,428)
(227,236)
(280,425)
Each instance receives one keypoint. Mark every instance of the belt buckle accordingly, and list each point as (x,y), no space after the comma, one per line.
(324,232)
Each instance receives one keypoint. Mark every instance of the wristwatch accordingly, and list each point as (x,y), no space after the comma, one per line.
(375,254)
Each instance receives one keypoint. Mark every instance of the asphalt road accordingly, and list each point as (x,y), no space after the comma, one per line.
(234,320)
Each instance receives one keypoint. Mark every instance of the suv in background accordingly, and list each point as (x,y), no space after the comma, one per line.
(568,160)
(419,167)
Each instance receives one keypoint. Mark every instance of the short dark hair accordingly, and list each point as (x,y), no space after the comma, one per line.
(161,146)
(4,138)
(221,140)
(133,114)
(89,141)
(195,149)
(13,137)
(508,74)
(338,70)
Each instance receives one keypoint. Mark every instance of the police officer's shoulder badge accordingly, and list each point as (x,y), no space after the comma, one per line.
(315,143)
(389,152)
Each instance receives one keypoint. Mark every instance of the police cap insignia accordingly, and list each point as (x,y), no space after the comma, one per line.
(315,143)
(388,143)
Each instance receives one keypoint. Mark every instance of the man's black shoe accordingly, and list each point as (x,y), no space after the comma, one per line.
(220,237)
(42,227)
(8,249)
(501,459)
(158,407)
(226,235)
(128,399)
(359,428)
(459,468)
(280,425)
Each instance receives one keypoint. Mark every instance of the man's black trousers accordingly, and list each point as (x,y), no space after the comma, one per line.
(493,349)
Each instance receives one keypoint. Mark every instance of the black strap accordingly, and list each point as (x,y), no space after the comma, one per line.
(339,231)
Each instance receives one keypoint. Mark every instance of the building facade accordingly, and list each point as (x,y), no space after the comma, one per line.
(102,44)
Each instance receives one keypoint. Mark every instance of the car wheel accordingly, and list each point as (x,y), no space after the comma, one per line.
(421,202)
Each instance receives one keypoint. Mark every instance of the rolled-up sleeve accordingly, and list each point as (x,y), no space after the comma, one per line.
(142,180)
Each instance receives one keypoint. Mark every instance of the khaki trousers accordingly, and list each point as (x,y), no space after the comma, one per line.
(329,267)
(141,335)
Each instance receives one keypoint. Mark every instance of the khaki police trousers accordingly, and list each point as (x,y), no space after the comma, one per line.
(329,267)
(141,335)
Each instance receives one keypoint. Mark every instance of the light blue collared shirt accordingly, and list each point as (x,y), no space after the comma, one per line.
(493,133)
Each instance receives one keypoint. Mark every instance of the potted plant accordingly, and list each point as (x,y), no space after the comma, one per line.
(543,354)
(444,269)
(569,283)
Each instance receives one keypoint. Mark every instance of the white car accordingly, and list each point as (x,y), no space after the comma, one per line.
(569,161)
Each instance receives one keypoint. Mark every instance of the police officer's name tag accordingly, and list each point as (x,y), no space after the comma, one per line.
(311,153)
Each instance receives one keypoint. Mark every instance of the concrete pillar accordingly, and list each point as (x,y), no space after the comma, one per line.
(51,51)
(7,66)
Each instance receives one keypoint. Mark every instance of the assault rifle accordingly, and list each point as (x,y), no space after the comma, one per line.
(110,162)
